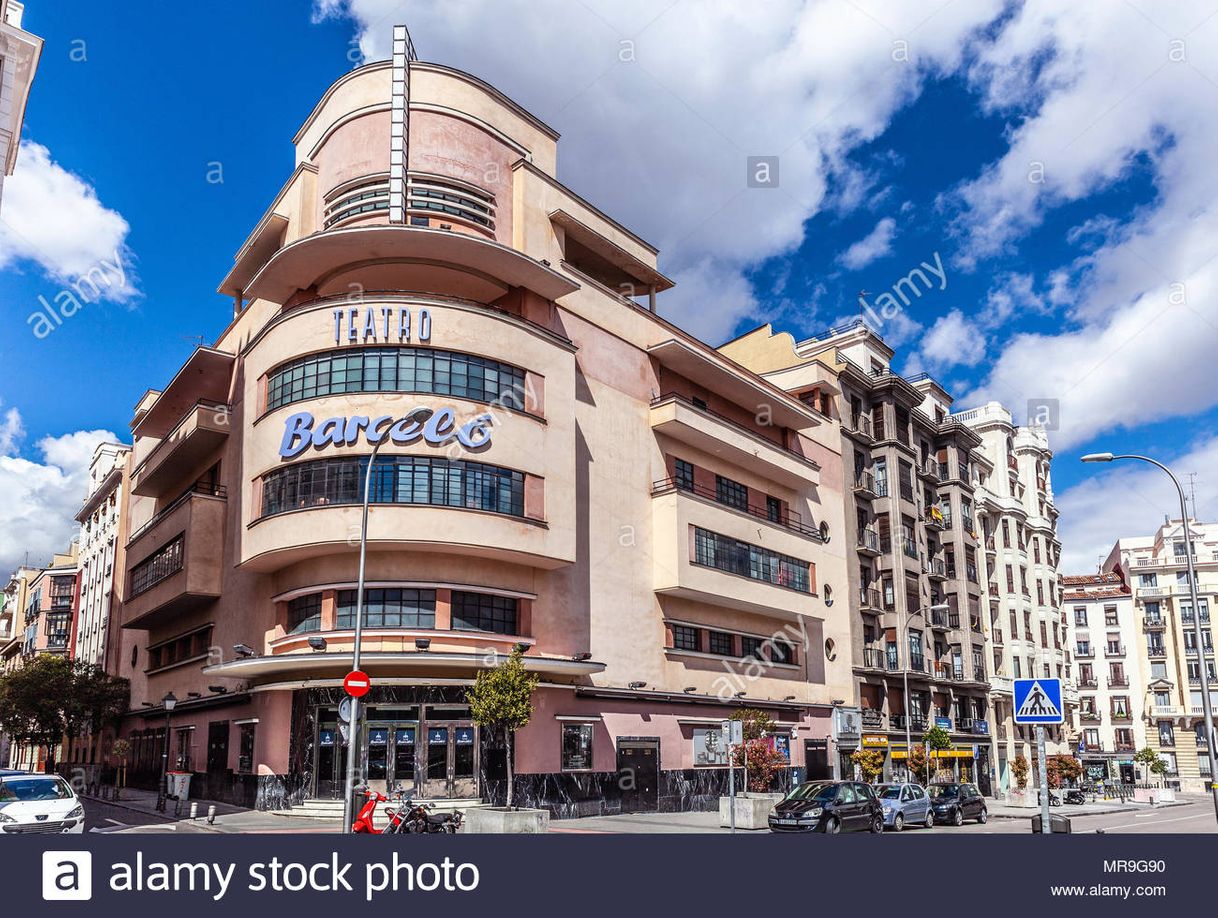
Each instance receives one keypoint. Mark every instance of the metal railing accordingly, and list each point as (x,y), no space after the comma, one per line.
(195,490)
(788,519)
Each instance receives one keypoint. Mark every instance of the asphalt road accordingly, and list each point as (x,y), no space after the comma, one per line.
(1195,817)
(106,817)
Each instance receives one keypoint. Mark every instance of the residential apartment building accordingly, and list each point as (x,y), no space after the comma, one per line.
(658,528)
(103,534)
(46,624)
(12,616)
(19,52)
(913,469)
(1105,633)
(1028,631)
(1170,656)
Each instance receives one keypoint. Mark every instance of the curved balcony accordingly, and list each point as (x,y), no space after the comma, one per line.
(387,657)
(425,259)
(284,538)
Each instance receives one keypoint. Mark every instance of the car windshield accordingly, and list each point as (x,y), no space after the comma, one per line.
(813,792)
(890,792)
(944,791)
(34,789)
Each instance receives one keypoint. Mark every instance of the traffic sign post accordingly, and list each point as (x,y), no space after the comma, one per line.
(357,683)
(1039,702)
(732,732)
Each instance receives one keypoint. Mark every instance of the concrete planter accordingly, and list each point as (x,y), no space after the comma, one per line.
(1028,798)
(1154,795)
(499,820)
(752,810)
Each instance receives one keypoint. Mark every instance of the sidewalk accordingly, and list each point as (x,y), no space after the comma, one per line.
(230,819)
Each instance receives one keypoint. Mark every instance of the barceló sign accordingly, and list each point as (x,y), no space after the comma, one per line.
(300,431)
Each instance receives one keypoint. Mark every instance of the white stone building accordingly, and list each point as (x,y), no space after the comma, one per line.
(19,51)
(102,535)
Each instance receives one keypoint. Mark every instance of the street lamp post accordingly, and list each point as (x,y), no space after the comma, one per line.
(170,701)
(941,607)
(353,741)
(1207,707)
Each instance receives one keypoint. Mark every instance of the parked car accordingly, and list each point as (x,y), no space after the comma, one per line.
(905,805)
(954,803)
(39,804)
(5,772)
(830,807)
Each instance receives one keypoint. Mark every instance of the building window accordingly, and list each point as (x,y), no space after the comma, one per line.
(576,747)
(391,608)
(683,475)
(773,509)
(1110,616)
(731,493)
(484,612)
(782,651)
(750,647)
(684,638)
(735,557)
(1167,734)
(164,562)
(395,480)
(396,369)
(722,643)
(304,614)
(181,649)
(245,750)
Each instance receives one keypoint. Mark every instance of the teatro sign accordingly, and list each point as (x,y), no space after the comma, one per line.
(383,324)
(300,431)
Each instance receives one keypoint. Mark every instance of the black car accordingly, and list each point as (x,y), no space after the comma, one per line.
(954,803)
(829,807)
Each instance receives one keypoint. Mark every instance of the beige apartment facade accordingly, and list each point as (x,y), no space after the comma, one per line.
(102,541)
(910,523)
(19,53)
(1106,631)
(1027,629)
(1169,655)
(562,471)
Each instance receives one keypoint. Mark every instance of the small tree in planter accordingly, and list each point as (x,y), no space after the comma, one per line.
(870,763)
(918,764)
(1063,768)
(756,724)
(762,763)
(501,700)
(1151,760)
(937,739)
(1019,768)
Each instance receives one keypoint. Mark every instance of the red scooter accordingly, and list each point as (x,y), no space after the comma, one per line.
(364,819)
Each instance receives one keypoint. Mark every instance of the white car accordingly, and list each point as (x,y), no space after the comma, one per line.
(39,804)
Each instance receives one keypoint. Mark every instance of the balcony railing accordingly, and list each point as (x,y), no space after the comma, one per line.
(1084,653)
(873,658)
(869,541)
(861,425)
(936,568)
(1156,651)
(1187,617)
(864,483)
(869,598)
(1118,681)
(1153,622)
(872,717)
(787,519)
(207,490)
(910,547)
(1117,651)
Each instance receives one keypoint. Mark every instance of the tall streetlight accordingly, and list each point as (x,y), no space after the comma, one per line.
(170,701)
(1206,706)
(353,737)
(917,613)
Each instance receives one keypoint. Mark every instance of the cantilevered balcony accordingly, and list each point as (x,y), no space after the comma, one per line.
(174,560)
(200,432)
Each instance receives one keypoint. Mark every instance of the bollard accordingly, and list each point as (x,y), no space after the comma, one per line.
(211,815)
(194,811)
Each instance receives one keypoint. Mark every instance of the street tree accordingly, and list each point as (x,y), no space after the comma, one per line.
(501,701)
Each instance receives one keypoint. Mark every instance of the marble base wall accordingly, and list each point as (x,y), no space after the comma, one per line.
(569,795)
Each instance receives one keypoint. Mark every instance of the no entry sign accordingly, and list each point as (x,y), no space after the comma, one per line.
(357,683)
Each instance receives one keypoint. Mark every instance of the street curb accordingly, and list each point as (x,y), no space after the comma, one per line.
(122,805)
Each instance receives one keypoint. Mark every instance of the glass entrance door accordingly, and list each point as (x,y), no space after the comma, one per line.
(451,760)
(389,757)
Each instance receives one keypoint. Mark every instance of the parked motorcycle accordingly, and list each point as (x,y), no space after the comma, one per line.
(1075,795)
(420,819)
(364,820)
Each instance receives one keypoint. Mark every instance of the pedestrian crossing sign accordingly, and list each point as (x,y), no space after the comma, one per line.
(1038,701)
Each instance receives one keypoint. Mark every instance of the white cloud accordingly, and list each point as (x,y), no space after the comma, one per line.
(54,218)
(1092,521)
(1012,293)
(38,499)
(660,106)
(875,244)
(1107,95)
(952,341)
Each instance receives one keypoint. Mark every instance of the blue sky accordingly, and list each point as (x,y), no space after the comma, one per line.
(1056,161)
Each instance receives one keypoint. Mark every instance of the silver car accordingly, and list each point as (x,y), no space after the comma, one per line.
(905,805)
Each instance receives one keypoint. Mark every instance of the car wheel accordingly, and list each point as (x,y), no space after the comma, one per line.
(984,816)
(898,822)
(957,817)
(877,824)
(833,825)
(930,819)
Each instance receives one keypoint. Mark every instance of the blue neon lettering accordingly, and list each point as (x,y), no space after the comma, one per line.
(297,427)
(376,430)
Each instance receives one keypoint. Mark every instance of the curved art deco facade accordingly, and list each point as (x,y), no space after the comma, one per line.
(560,468)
